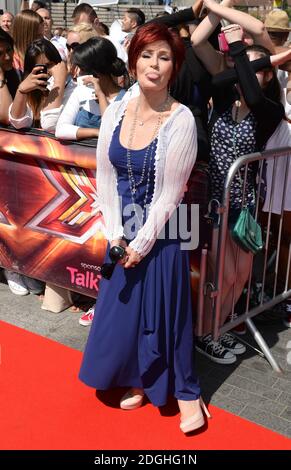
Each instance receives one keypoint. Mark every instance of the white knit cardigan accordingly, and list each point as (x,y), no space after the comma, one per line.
(174,159)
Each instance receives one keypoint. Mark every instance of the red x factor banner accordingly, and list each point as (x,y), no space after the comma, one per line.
(50,225)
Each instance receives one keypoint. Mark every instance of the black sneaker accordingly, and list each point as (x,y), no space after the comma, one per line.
(229,342)
(214,350)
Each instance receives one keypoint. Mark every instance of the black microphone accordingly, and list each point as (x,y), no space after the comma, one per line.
(116,253)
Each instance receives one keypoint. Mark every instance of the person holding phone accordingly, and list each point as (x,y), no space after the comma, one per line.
(38,102)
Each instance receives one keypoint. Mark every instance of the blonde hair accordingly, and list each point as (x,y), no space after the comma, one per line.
(85,31)
(25,30)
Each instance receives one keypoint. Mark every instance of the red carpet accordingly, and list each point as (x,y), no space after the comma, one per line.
(44,406)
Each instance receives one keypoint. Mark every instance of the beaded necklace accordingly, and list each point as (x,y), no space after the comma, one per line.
(148,157)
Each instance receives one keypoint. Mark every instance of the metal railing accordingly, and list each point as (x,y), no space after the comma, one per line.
(276,293)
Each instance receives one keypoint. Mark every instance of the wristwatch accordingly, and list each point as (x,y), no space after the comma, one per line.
(3,82)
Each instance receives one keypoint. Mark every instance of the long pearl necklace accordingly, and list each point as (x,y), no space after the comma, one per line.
(148,157)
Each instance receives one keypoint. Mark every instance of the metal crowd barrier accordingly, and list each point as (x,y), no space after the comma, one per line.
(213,288)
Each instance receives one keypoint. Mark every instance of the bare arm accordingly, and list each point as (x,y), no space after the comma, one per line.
(212,59)
(5,100)
(56,95)
(286,65)
(282,58)
(87,133)
(34,81)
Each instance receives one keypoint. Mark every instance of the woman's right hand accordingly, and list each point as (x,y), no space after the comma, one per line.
(34,81)
(233,33)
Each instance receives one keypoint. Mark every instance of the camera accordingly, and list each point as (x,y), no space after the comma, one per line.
(116,253)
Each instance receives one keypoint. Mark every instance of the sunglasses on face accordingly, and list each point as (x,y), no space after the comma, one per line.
(72,46)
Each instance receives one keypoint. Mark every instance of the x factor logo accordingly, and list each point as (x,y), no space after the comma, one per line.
(3,219)
(73,212)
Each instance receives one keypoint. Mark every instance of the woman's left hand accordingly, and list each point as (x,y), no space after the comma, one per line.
(59,72)
(95,82)
(133,258)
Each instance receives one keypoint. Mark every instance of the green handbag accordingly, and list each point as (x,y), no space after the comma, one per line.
(247,233)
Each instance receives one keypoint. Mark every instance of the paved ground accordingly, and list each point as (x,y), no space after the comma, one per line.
(249,388)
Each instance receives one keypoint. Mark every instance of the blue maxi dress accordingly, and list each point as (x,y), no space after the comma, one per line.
(142,332)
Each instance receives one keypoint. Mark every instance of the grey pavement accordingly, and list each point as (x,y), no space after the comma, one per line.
(249,388)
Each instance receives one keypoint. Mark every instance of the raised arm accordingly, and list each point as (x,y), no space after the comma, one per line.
(250,24)
(20,114)
(256,100)
(5,99)
(230,76)
(182,16)
(65,128)
(212,59)
(56,94)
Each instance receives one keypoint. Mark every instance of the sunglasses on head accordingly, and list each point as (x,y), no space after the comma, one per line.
(72,46)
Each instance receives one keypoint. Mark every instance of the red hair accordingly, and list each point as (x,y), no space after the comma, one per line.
(152,32)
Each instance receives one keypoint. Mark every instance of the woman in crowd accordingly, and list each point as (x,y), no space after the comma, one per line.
(27,27)
(238,126)
(77,34)
(142,336)
(97,64)
(37,101)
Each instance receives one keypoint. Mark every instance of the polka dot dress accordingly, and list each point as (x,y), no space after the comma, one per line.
(230,140)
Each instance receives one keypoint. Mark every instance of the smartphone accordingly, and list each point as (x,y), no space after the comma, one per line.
(222,43)
(43,70)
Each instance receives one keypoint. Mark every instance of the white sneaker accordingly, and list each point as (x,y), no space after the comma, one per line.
(87,317)
(15,283)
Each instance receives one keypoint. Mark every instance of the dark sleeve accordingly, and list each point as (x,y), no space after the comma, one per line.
(230,77)
(267,112)
(203,149)
(182,16)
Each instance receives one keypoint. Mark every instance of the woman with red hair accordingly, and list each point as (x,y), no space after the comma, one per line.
(142,335)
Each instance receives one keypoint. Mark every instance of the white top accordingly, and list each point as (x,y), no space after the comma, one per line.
(49,118)
(60,44)
(280,138)
(121,52)
(82,97)
(283,80)
(174,160)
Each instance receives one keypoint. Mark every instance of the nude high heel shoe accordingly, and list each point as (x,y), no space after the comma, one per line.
(195,421)
(132,399)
